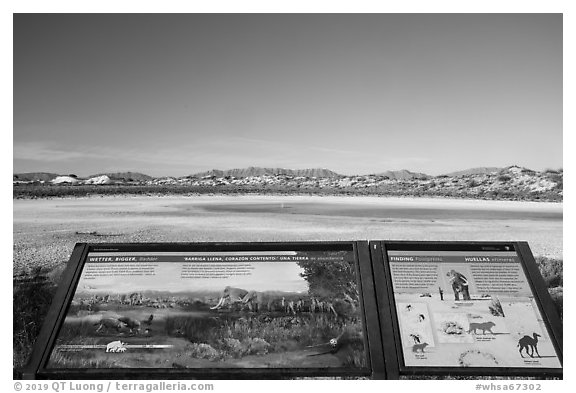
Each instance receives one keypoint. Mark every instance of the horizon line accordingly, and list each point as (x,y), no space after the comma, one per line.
(99,173)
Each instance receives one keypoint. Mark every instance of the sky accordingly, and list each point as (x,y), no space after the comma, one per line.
(176,94)
(264,276)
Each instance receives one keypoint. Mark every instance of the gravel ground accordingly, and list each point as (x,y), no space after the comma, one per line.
(46,230)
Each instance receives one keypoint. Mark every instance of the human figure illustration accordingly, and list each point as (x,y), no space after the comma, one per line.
(441,293)
(459,285)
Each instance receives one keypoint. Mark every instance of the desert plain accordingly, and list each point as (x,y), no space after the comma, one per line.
(46,230)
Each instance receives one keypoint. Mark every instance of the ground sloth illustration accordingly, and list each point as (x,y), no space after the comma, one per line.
(106,324)
(132,324)
(482,326)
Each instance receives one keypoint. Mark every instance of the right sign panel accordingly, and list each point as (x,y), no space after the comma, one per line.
(467,309)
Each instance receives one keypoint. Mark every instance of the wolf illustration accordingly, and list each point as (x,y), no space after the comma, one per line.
(419,347)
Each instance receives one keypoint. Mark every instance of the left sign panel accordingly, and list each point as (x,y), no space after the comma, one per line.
(257,309)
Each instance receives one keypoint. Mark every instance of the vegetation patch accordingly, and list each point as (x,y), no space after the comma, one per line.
(551,270)
(32,296)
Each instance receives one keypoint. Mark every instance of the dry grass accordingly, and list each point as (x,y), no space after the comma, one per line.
(401,188)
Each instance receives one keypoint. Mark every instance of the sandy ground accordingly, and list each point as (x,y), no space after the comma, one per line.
(45,230)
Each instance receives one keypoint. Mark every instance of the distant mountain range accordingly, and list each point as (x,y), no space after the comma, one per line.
(34,176)
(258,171)
(125,176)
(475,171)
(402,174)
(47,177)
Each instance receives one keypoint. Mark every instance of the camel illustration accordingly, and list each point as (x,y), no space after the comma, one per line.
(258,301)
(527,343)
(135,299)
(290,307)
(327,306)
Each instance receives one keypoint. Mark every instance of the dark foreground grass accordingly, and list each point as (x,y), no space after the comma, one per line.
(33,293)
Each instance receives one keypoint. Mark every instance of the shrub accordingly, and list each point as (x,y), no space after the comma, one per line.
(551,270)
(557,295)
(203,351)
(496,308)
(258,346)
(32,296)
(556,178)
(233,347)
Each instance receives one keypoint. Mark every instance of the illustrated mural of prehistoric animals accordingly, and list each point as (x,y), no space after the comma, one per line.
(232,327)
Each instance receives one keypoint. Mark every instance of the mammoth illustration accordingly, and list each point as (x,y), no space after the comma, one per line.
(459,284)
(231,295)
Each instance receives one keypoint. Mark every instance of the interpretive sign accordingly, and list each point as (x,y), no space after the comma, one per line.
(466,307)
(275,310)
(212,310)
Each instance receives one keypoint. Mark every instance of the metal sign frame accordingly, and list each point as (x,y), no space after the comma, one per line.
(37,366)
(389,323)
